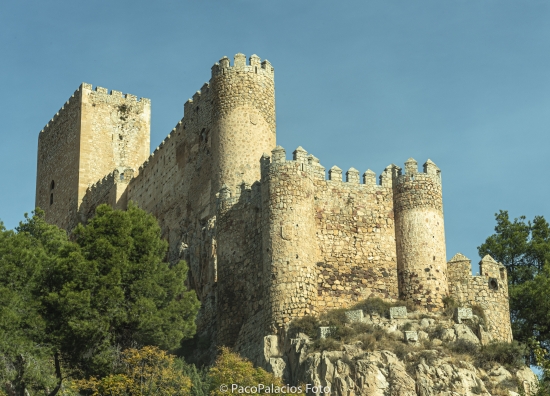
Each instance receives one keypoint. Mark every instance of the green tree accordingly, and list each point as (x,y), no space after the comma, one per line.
(27,360)
(111,290)
(524,248)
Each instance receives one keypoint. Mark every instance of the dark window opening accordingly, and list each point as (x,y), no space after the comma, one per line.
(51,198)
(52,185)
(493,284)
(503,273)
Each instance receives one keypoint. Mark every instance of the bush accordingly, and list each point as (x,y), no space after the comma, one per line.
(200,382)
(307,325)
(450,305)
(230,368)
(145,371)
(374,306)
(327,344)
(462,346)
(438,331)
(511,355)
(334,317)
(368,342)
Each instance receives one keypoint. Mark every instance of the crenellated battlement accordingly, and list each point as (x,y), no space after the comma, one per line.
(242,194)
(116,94)
(335,174)
(73,100)
(113,95)
(159,148)
(193,102)
(116,176)
(430,170)
(255,65)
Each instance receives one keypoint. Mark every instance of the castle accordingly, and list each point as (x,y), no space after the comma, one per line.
(267,239)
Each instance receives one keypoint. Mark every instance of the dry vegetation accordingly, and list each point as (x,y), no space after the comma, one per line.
(371,337)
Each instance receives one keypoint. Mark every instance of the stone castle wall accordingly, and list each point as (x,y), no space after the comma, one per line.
(489,290)
(266,239)
(112,189)
(115,133)
(241,284)
(420,235)
(94,133)
(57,178)
(289,249)
(356,239)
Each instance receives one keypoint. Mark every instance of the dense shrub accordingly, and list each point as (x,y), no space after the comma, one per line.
(511,355)
(463,346)
(308,325)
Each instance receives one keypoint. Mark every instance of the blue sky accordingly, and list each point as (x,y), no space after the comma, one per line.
(358,83)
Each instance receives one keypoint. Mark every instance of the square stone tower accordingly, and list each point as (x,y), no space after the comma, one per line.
(94,133)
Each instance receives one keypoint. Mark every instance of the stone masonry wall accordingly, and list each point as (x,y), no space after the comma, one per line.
(241,284)
(288,237)
(489,290)
(115,134)
(57,165)
(243,101)
(227,125)
(93,134)
(111,190)
(174,185)
(356,239)
(420,235)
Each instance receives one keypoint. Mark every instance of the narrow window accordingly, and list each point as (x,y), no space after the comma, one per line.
(52,186)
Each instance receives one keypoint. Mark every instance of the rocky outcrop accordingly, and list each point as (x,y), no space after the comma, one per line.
(426,366)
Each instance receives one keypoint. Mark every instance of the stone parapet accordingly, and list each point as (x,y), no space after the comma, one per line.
(489,290)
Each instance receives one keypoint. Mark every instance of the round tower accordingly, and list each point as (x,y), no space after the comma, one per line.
(243,119)
(420,236)
(288,237)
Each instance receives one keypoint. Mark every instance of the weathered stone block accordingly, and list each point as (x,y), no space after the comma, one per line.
(354,316)
(326,331)
(398,312)
(411,336)
(463,313)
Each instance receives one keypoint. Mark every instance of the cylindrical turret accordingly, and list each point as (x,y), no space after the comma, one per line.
(288,235)
(243,119)
(420,236)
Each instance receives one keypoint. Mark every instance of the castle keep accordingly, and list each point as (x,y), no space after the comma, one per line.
(267,238)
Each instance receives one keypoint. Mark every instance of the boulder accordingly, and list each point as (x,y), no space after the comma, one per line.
(464,333)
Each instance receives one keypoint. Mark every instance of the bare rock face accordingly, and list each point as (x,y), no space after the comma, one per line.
(395,367)
(464,333)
